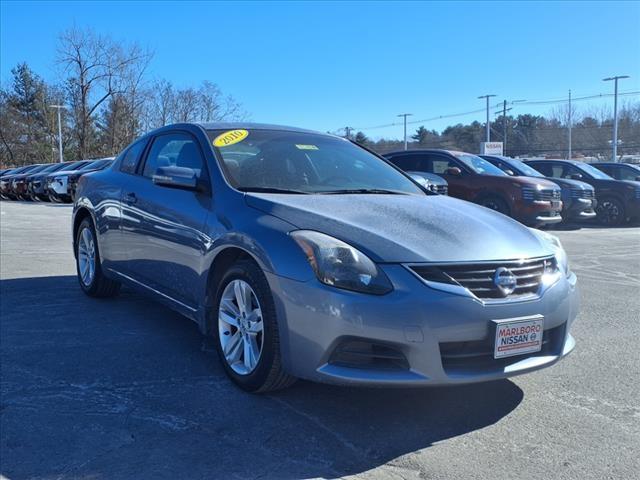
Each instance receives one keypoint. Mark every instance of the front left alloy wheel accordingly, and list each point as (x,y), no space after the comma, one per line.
(246,332)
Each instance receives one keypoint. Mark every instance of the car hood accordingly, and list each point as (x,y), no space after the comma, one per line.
(534,181)
(570,183)
(407,228)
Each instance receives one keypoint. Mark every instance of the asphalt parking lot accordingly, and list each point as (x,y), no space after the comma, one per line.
(127,389)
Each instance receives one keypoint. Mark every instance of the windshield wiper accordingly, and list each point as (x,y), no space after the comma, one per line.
(272,190)
(363,190)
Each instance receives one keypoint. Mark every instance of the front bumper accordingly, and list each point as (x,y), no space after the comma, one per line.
(633,208)
(541,212)
(419,322)
(58,188)
(580,209)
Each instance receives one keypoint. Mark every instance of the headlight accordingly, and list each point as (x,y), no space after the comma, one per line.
(561,256)
(338,264)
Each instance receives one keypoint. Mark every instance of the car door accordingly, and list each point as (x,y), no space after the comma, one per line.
(162,226)
(460,186)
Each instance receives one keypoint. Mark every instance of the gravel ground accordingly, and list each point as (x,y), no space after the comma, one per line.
(127,389)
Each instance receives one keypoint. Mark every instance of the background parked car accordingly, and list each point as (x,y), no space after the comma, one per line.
(56,184)
(578,198)
(434,182)
(618,200)
(14,185)
(531,201)
(34,181)
(620,171)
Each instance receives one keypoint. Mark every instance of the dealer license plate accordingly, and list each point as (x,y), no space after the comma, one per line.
(517,336)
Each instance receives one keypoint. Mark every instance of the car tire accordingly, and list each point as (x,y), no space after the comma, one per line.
(231,329)
(90,275)
(610,212)
(495,203)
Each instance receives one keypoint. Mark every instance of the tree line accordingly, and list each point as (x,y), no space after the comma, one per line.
(109,98)
(531,135)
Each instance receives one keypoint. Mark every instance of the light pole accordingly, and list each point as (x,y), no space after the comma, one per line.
(570,124)
(615,112)
(59,107)
(504,122)
(488,135)
(405,115)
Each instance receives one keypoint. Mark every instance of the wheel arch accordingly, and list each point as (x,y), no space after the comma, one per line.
(78,217)
(226,257)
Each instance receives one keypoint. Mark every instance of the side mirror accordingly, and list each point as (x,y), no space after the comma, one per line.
(176,177)
(419,179)
(509,172)
(453,171)
(575,176)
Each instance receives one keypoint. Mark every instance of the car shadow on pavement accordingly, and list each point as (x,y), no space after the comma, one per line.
(125,388)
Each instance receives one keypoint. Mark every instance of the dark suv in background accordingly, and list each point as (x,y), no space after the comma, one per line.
(620,171)
(578,198)
(529,200)
(618,200)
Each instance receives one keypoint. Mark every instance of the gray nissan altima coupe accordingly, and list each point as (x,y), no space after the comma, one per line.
(304,255)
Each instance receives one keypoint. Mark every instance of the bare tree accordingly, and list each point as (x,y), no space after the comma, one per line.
(96,69)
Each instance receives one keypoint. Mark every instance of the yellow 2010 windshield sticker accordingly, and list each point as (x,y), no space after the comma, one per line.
(229,138)
(306,147)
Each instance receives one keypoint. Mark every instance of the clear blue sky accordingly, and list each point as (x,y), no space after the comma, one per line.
(327,65)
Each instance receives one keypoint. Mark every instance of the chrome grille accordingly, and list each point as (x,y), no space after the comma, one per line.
(478,278)
(531,193)
(580,193)
(441,189)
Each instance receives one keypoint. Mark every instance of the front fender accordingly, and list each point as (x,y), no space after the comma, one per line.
(266,239)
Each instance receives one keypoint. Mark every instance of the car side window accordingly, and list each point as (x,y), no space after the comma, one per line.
(571,170)
(174,150)
(610,171)
(622,173)
(405,162)
(440,164)
(556,170)
(131,156)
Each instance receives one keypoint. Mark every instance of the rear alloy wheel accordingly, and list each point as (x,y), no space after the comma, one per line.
(610,212)
(246,330)
(92,280)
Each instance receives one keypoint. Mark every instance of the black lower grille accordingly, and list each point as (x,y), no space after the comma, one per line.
(364,354)
(479,278)
(478,355)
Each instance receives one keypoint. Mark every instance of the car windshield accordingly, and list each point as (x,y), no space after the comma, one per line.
(51,168)
(478,165)
(73,166)
(523,168)
(593,171)
(277,161)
